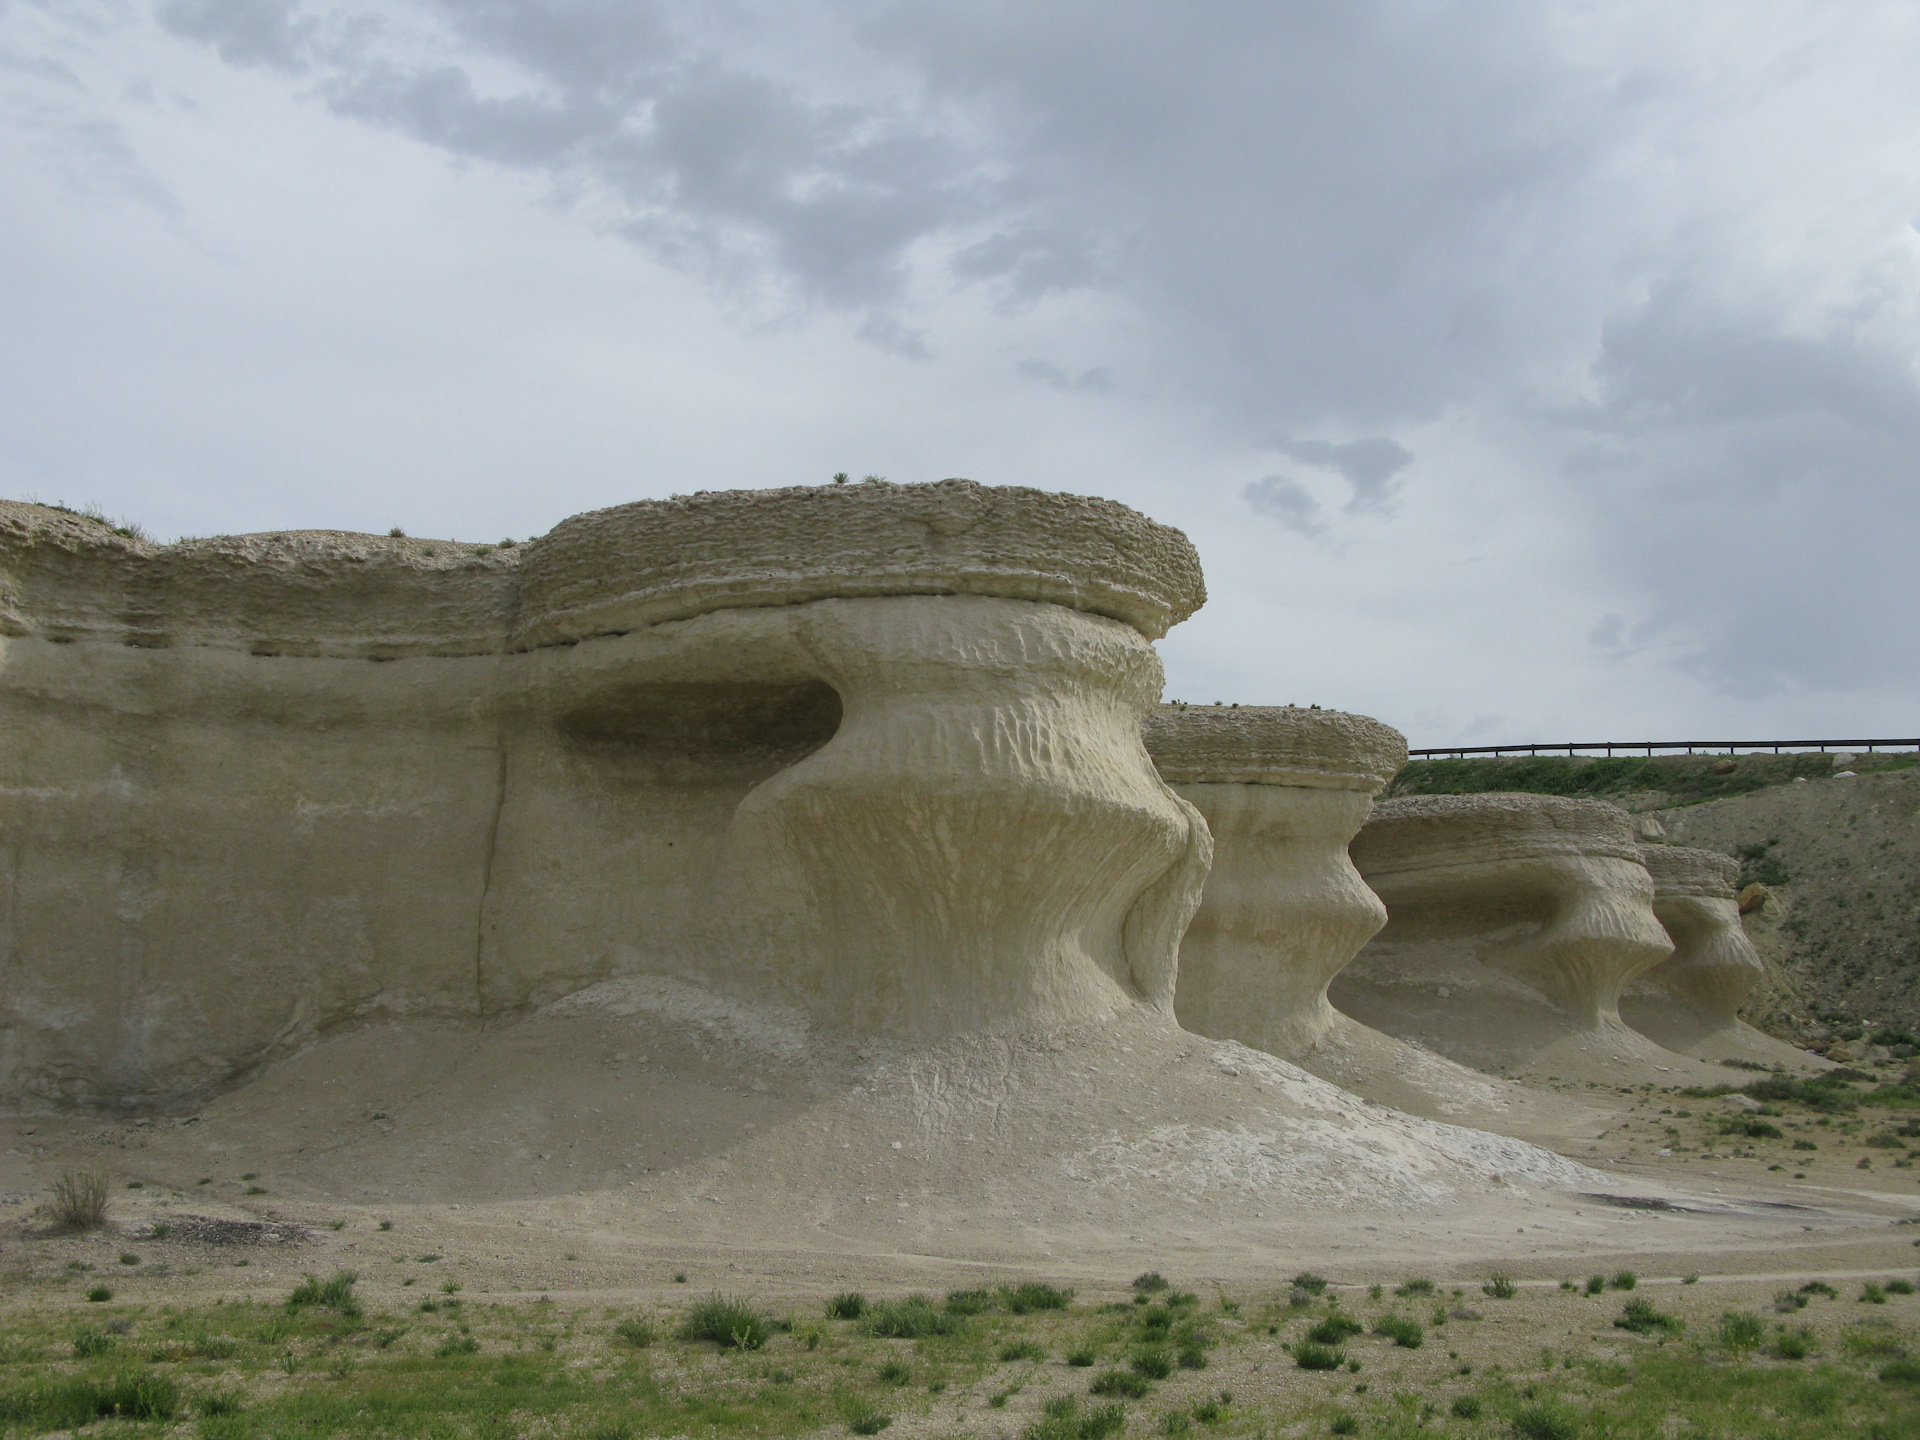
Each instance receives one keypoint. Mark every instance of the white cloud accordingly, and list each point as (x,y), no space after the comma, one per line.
(1585,335)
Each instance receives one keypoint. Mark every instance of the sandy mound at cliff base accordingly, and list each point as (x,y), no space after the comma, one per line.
(1407,1077)
(658,1109)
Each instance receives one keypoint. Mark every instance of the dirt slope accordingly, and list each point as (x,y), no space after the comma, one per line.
(1842,920)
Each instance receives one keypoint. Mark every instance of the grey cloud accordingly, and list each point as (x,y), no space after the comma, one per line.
(1759,490)
(714,165)
(1368,465)
(1098,379)
(1287,501)
(270,33)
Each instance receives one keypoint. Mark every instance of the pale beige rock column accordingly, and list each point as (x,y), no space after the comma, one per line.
(1514,923)
(1283,791)
(1691,1001)
(982,843)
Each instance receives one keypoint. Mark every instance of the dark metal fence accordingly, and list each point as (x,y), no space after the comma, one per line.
(1690,747)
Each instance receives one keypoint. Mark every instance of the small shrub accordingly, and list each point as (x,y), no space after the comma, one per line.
(1543,1422)
(1405,1333)
(1641,1318)
(1623,1280)
(637,1332)
(1901,1372)
(894,1373)
(848,1305)
(1596,1284)
(1100,1423)
(1311,1283)
(1080,1358)
(1021,1350)
(1466,1407)
(1150,1282)
(1344,1423)
(1785,1302)
(1872,1294)
(127,1257)
(1739,1332)
(727,1321)
(1193,1353)
(332,1294)
(1031,1295)
(79,1201)
(1334,1330)
(1819,1287)
(1500,1287)
(1805,1145)
(457,1345)
(219,1402)
(910,1319)
(1897,1286)
(1415,1287)
(1152,1362)
(865,1419)
(91,1342)
(1754,1129)
(1309,1355)
(1795,1344)
(1176,1422)
(1120,1382)
(99,1295)
(969,1302)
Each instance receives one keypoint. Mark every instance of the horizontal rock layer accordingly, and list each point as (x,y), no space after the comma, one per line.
(1273,745)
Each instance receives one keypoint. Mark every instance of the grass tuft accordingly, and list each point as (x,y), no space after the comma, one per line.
(332,1294)
(1641,1318)
(1310,1355)
(1405,1333)
(1031,1295)
(910,1319)
(847,1305)
(727,1321)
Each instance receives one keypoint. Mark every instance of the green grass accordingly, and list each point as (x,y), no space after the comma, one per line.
(1335,1330)
(726,1321)
(1311,1355)
(499,1367)
(1404,1333)
(1683,779)
(910,1319)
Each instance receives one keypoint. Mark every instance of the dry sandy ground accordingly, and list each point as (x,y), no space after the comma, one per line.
(648,1128)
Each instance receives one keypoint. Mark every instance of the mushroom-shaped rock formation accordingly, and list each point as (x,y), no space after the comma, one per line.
(873,751)
(1514,921)
(1690,1002)
(1283,791)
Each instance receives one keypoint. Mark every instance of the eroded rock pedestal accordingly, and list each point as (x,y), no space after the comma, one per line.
(870,751)
(1514,922)
(1690,1002)
(1283,790)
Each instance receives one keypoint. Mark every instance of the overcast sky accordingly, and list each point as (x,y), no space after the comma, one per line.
(1522,371)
